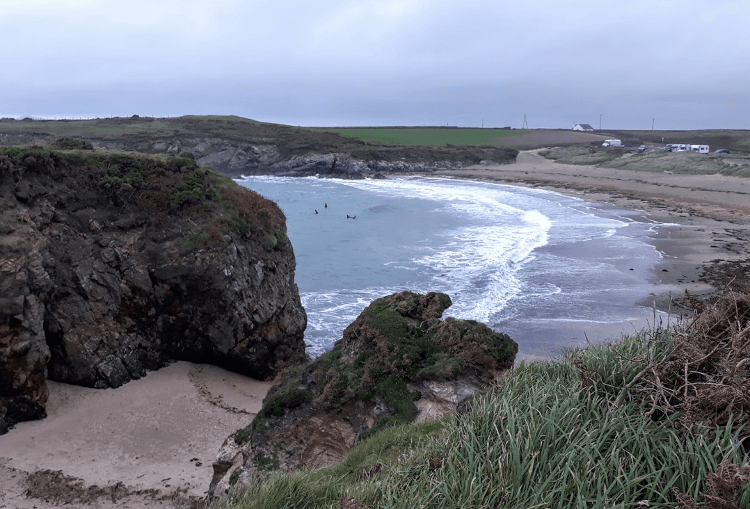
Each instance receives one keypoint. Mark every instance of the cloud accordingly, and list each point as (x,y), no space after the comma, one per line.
(344,61)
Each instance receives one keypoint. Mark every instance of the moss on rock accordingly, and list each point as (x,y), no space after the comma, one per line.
(396,341)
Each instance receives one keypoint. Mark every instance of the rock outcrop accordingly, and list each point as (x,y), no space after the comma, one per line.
(115,264)
(397,362)
(236,159)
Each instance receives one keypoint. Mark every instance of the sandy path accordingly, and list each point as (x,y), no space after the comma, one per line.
(161,432)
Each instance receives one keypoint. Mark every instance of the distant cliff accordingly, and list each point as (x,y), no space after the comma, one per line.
(113,264)
(237,146)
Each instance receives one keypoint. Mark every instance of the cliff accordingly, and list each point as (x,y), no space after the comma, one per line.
(238,146)
(398,362)
(115,264)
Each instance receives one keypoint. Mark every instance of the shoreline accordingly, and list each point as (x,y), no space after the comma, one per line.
(704,240)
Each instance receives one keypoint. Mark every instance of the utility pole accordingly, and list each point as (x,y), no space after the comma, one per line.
(652,124)
(600,121)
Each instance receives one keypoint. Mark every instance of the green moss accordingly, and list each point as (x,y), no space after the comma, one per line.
(243,435)
(266,463)
(333,355)
(287,400)
(390,323)
(271,241)
(441,364)
(234,477)
(198,239)
(291,396)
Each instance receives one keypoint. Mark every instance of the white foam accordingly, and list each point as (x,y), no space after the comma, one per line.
(483,250)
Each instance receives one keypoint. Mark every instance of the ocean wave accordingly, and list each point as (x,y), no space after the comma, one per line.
(516,258)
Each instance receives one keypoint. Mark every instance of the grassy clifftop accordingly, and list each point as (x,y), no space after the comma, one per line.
(203,204)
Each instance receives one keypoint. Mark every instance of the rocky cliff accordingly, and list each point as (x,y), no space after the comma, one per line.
(398,362)
(237,146)
(113,264)
(262,158)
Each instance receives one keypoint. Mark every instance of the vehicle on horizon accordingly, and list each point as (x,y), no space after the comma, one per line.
(642,148)
(612,143)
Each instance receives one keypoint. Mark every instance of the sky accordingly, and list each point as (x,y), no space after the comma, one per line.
(628,64)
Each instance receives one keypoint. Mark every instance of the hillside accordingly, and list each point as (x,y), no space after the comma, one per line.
(239,146)
(657,420)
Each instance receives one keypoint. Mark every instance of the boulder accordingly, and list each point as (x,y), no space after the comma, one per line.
(112,265)
(398,362)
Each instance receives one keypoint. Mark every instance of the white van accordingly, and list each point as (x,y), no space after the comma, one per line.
(612,143)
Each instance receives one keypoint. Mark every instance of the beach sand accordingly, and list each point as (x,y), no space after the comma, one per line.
(158,436)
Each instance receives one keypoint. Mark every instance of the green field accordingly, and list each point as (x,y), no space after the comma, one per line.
(427,136)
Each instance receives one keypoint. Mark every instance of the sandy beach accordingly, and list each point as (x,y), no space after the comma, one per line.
(151,443)
(702,222)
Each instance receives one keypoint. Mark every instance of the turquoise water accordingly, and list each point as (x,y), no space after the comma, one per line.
(545,268)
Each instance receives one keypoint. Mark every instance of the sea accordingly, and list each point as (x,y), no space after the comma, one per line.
(554,272)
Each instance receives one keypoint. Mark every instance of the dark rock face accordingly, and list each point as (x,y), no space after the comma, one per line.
(237,158)
(397,362)
(113,265)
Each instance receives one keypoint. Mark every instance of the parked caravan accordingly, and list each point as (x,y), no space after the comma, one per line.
(685,147)
(701,149)
(612,143)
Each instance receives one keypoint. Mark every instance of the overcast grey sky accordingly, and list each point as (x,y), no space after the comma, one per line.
(684,63)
